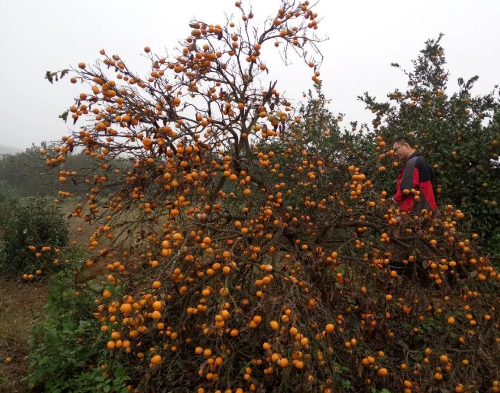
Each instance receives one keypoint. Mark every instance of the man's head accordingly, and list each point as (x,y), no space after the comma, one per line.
(402,148)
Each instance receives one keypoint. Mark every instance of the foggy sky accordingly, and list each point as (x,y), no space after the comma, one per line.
(364,38)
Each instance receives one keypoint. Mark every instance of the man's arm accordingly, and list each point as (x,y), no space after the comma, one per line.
(398,196)
(410,180)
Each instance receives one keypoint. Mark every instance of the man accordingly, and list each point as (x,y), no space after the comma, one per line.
(415,175)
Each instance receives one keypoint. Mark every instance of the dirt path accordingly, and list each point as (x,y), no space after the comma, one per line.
(20,306)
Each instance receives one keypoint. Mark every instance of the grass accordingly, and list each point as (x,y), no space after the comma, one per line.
(20,307)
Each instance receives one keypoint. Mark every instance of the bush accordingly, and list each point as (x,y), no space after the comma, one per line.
(67,352)
(33,238)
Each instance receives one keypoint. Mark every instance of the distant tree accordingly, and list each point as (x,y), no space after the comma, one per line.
(27,173)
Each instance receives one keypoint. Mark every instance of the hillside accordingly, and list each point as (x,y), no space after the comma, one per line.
(9,150)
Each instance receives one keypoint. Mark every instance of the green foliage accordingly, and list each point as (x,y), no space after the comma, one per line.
(9,200)
(66,352)
(459,134)
(494,244)
(27,173)
(38,224)
(321,135)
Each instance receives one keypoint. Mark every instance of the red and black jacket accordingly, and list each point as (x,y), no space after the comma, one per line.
(415,174)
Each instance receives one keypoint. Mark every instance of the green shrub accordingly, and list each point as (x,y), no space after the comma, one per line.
(67,352)
(32,238)
(9,199)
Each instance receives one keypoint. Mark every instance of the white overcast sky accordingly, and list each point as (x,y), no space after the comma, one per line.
(365,36)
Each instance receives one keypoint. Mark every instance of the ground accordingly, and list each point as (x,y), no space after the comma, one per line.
(21,305)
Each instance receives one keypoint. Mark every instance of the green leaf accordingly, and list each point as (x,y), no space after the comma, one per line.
(64,116)
(120,372)
(48,76)
(52,337)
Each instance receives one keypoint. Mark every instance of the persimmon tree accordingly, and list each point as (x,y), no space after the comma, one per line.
(252,254)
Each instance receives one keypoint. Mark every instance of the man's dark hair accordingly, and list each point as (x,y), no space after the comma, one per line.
(402,140)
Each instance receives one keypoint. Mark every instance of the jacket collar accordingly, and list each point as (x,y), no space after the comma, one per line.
(414,155)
